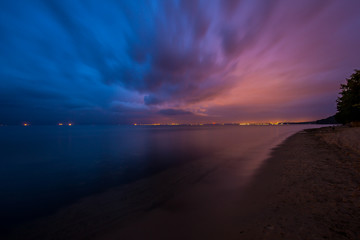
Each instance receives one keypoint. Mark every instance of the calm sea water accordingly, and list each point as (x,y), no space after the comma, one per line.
(45,167)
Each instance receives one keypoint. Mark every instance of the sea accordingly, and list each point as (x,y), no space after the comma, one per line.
(44,168)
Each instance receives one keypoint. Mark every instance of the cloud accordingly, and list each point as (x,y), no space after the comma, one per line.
(151,100)
(174,112)
(66,55)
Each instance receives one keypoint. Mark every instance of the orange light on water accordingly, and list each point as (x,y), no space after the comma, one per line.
(70,124)
(60,124)
(25,124)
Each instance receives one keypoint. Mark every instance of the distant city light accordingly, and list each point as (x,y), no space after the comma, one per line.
(25,124)
(60,124)
(70,124)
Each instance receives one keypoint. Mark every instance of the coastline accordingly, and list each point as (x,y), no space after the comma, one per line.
(307,189)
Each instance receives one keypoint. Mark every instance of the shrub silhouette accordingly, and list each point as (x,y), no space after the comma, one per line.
(348,104)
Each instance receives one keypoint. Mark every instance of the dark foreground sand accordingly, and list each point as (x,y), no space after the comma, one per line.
(308,189)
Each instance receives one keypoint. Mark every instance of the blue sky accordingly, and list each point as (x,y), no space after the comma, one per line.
(174,61)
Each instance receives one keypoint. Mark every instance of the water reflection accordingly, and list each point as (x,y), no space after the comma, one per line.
(44,168)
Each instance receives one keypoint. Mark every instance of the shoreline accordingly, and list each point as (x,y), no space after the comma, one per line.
(308,189)
(297,193)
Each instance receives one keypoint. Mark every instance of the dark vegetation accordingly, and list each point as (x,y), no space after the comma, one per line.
(348,103)
(329,120)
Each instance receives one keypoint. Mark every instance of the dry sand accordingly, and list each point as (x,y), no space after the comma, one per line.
(308,189)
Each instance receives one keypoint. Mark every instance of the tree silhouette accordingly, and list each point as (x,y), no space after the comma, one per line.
(348,104)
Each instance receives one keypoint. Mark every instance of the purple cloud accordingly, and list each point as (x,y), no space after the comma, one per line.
(124,60)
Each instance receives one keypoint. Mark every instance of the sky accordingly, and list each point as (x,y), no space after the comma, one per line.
(181,61)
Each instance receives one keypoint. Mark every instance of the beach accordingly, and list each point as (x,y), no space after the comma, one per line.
(307,189)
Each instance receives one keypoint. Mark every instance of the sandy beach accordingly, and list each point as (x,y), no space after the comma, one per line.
(308,189)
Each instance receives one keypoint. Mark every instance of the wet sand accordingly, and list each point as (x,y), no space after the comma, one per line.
(308,189)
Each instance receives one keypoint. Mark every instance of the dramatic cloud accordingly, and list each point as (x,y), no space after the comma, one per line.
(172,112)
(159,61)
